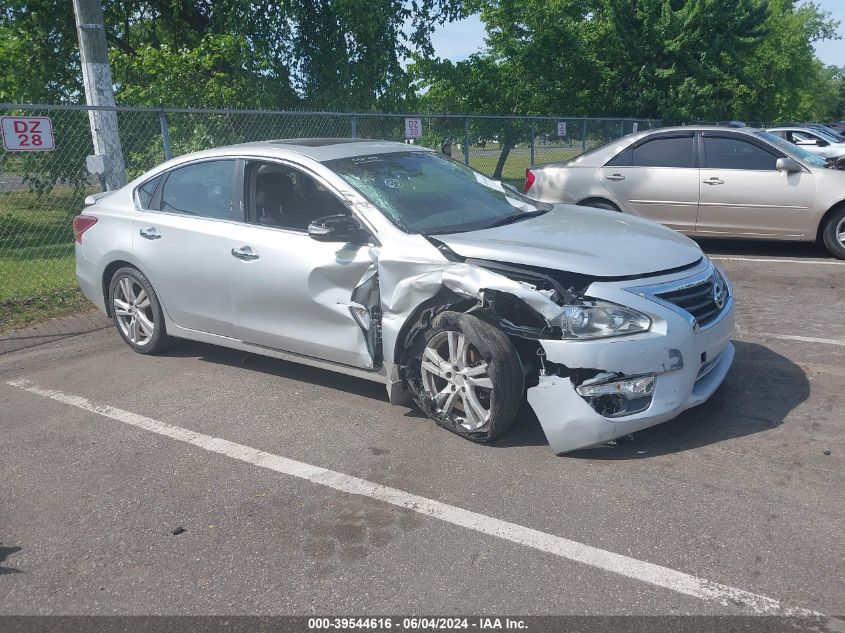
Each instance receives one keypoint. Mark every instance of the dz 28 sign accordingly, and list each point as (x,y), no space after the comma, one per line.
(27,133)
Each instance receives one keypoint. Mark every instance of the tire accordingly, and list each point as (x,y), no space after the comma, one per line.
(833,233)
(598,204)
(135,309)
(453,390)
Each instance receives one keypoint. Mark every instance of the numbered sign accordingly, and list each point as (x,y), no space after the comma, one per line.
(561,128)
(413,128)
(27,133)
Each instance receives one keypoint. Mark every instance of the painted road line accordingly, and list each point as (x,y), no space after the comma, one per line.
(784,260)
(802,339)
(620,564)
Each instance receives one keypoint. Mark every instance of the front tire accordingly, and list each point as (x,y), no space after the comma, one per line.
(467,377)
(833,233)
(136,311)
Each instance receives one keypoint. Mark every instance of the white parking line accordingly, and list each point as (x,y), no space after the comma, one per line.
(802,339)
(556,545)
(783,260)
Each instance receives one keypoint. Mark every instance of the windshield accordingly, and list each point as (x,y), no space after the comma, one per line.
(793,150)
(422,192)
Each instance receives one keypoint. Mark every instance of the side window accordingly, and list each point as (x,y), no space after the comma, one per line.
(622,159)
(284,197)
(146,192)
(734,153)
(203,189)
(664,152)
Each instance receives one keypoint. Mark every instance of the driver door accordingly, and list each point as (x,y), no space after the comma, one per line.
(290,292)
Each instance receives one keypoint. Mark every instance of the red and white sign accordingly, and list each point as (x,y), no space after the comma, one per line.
(413,128)
(27,133)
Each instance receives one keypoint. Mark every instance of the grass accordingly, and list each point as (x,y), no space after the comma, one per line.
(18,313)
(37,277)
(518,160)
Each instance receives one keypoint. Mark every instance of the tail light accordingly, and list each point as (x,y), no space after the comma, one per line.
(529,180)
(82,223)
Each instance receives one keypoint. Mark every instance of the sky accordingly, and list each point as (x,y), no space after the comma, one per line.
(459,40)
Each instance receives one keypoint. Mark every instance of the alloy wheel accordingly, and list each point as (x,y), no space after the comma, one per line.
(133,311)
(840,232)
(455,377)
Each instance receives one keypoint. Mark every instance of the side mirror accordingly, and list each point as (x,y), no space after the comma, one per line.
(337,228)
(821,142)
(789,165)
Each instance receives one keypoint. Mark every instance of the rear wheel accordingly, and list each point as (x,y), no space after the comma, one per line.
(833,233)
(468,377)
(599,204)
(137,312)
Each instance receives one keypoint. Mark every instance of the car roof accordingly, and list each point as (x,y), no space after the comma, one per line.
(320,149)
(600,155)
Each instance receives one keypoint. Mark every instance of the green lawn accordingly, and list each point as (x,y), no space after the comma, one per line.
(518,160)
(37,278)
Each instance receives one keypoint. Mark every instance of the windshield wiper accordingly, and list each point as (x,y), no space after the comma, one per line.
(516,217)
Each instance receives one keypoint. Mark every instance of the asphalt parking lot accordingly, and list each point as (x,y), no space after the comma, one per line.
(736,507)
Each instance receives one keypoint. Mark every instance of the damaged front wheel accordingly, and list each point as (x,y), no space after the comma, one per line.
(469,377)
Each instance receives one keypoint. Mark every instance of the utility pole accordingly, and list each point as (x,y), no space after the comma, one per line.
(96,76)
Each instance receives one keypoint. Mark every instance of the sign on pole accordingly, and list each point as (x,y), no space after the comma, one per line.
(27,133)
(413,128)
(636,125)
(561,128)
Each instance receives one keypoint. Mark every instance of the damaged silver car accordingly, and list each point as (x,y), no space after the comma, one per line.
(393,263)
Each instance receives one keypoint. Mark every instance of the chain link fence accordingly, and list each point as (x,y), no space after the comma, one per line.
(41,191)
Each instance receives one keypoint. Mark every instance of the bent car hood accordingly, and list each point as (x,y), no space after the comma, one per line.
(580,240)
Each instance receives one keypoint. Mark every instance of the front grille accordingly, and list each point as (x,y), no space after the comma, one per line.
(700,300)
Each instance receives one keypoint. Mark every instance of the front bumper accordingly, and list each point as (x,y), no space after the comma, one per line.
(688,366)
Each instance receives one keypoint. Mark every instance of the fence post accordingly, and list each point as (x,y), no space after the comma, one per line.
(466,141)
(584,135)
(165,134)
(354,126)
(533,136)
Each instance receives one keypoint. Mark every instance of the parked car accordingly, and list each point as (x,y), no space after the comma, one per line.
(837,135)
(395,264)
(707,181)
(814,140)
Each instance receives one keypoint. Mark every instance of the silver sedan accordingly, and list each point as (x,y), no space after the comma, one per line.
(707,181)
(398,265)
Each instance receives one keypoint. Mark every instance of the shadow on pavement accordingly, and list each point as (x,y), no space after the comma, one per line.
(763,248)
(762,388)
(760,391)
(5,552)
(277,367)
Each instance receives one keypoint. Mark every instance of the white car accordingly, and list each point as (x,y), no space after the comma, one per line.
(815,141)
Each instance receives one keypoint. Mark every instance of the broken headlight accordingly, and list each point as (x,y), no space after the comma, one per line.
(594,318)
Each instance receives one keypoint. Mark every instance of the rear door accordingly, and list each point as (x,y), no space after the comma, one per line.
(743,194)
(657,178)
(182,240)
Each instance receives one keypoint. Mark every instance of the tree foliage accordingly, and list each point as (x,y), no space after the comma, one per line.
(676,60)
(335,54)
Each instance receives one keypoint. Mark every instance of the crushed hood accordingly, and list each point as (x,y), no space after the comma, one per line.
(580,240)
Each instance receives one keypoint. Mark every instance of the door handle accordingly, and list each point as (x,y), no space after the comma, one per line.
(615,177)
(150,233)
(713,181)
(245,253)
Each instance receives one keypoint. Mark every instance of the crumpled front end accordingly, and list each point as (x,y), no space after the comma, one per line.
(595,391)
(583,391)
